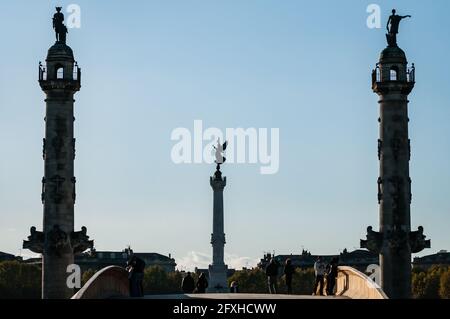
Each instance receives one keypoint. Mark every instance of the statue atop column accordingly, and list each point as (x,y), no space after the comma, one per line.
(59,27)
(394,21)
(220,159)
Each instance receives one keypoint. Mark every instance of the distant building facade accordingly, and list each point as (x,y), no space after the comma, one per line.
(442,258)
(8,257)
(97,260)
(359,259)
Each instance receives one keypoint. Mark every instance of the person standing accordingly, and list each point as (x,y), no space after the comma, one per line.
(289,271)
(188,284)
(319,271)
(332,275)
(202,284)
(272,274)
(234,288)
(135,268)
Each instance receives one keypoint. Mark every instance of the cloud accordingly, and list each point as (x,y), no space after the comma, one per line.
(201,260)
(192,260)
(237,262)
(26,254)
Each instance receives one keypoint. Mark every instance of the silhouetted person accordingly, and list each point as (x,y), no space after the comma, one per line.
(332,275)
(319,271)
(202,284)
(188,284)
(234,288)
(272,274)
(135,267)
(289,270)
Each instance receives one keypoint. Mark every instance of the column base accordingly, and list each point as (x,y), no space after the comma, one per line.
(218,279)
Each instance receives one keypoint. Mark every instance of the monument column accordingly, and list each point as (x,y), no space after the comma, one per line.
(393,82)
(60,79)
(218,269)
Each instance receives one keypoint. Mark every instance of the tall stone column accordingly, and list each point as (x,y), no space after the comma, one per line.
(60,79)
(393,82)
(218,269)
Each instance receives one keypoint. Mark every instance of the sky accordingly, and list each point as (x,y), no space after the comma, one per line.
(149,67)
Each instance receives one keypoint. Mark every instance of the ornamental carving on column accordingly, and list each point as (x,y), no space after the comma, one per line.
(35,241)
(397,239)
(417,240)
(380,148)
(380,191)
(80,241)
(58,240)
(373,242)
(44,151)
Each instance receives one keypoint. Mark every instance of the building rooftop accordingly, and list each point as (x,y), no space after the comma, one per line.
(6,256)
(441,257)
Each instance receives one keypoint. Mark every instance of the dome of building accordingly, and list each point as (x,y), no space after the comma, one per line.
(60,52)
(393,55)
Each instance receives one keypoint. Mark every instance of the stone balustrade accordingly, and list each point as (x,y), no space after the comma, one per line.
(354,284)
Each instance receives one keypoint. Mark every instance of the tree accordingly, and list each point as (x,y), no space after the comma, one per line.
(255,281)
(444,290)
(174,281)
(250,281)
(426,283)
(158,281)
(419,284)
(155,280)
(302,282)
(87,275)
(19,280)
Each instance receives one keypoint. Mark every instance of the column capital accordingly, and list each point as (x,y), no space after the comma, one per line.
(217,184)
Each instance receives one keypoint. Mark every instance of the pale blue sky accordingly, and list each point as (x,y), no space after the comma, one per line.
(152,66)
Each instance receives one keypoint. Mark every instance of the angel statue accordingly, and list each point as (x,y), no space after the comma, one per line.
(219,152)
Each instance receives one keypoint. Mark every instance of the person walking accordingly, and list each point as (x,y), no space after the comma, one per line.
(202,284)
(289,270)
(319,271)
(332,275)
(188,284)
(272,274)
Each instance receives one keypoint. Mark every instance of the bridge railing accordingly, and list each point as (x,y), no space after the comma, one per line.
(356,285)
(107,283)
